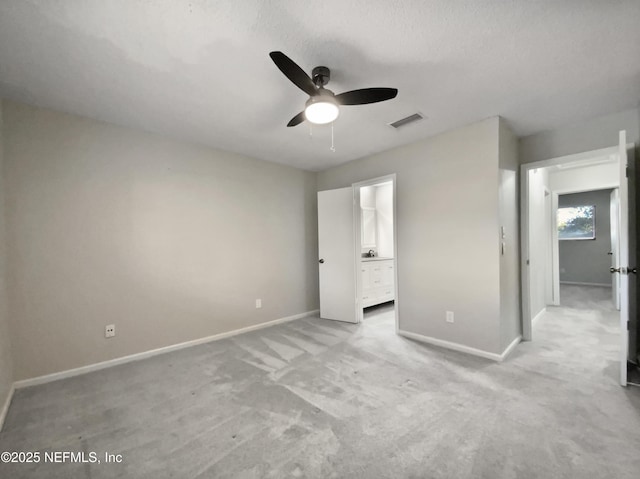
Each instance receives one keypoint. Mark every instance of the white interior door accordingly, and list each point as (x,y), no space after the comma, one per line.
(615,278)
(337,255)
(623,256)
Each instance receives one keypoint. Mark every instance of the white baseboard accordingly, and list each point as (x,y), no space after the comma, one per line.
(450,345)
(576,283)
(461,347)
(505,354)
(5,406)
(154,352)
(538,316)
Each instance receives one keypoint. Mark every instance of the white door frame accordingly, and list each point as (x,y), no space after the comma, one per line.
(549,290)
(614,207)
(357,225)
(623,251)
(524,224)
(555,250)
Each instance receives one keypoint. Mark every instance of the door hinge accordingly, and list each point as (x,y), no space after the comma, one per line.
(626,171)
(628,326)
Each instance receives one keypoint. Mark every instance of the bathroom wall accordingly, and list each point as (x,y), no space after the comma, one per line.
(368,200)
(380,197)
(384,210)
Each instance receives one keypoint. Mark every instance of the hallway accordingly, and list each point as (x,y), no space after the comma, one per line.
(577,341)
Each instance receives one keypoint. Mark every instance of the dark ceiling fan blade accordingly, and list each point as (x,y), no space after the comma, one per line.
(296,120)
(294,73)
(366,95)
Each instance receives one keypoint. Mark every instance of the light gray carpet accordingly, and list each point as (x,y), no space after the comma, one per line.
(320,399)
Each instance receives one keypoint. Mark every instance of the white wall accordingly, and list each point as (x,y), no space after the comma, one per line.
(368,197)
(367,200)
(508,214)
(584,178)
(380,197)
(6,364)
(539,231)
(447,227)
(384,215)
(169,241)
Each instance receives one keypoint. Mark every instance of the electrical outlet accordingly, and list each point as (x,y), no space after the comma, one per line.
(109,330)
(449,317)
(258,303)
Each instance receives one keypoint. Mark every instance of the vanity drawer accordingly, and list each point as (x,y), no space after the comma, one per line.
(377,282)
(385,294)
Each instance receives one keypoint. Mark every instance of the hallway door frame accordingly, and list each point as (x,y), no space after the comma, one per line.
(525,169)
(622,153)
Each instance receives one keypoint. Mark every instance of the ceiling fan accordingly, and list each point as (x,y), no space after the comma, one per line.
(323,106)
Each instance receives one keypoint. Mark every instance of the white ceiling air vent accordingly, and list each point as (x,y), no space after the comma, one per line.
(406,121)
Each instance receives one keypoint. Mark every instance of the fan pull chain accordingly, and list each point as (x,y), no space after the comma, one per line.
(333,148)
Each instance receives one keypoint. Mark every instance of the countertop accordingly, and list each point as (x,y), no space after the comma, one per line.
(374,258)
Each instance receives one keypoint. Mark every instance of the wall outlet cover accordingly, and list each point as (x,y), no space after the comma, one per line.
(449,317)
(258,303)
(109,330)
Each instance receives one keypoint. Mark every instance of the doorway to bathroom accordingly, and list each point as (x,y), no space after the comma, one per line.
(376,258)
(357,252)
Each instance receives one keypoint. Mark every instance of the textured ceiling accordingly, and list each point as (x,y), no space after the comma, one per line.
(200,70)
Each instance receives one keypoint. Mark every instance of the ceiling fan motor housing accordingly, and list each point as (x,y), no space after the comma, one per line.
(323,106)
(320,76)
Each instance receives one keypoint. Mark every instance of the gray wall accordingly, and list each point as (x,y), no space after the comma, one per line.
(509,212)
(593,134)
(6,366)
(169,241)
(586,261)
(447,231)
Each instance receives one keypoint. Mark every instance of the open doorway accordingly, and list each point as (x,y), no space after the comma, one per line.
(375,245)
(575,237)
(587,239)
(357,246)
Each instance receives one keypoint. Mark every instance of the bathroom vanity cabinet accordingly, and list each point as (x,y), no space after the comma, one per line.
(377,281)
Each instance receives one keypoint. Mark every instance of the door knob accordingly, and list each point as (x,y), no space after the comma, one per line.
(321,261)
(614,270)
(633,270)
(610,253)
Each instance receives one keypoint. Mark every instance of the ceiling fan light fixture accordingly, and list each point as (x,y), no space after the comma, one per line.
(321,110)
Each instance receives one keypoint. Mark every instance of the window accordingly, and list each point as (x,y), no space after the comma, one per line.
(577,223)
